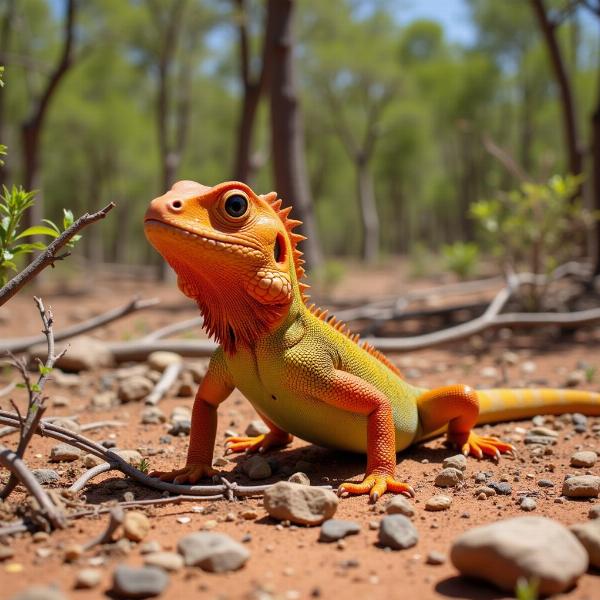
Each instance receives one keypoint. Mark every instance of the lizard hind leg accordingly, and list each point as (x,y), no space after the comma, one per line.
(457,406)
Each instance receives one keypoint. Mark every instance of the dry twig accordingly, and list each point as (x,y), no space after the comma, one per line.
(164,384)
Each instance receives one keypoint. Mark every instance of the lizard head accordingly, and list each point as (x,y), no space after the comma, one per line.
(234,253)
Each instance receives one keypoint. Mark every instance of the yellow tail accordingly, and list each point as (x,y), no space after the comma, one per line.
(513,404)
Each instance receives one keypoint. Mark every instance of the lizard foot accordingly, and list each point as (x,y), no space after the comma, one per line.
(258,443)
(480,446)
(376,485)
(189,474)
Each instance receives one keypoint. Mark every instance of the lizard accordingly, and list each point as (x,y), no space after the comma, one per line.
(236,254)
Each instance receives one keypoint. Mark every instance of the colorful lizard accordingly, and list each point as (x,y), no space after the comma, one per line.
(235,254)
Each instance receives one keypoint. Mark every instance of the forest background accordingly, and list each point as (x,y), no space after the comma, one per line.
(383,129)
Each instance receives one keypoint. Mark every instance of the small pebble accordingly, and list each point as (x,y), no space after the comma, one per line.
(528,504)
(435,558)
(449,477)
(299,477)
(397,532)
(142,582)
(399,505)
(581,486)
(502,488)
(545,483)
(87,579)
(136,526)
(459,461)
(438,502)
(169,561)
(336,529)
(584,458)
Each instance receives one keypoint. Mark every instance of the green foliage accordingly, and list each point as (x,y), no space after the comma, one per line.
(13,205)
(590,373)
(536,226)
(461,258)
(144,465)
(526,589)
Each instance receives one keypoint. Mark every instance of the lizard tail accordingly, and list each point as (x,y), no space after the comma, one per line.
(513,404)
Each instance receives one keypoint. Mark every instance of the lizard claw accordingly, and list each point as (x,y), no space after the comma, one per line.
(189,474)
(376,485)
(480,446)
(258,443)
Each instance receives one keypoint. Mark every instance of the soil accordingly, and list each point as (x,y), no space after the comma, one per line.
(288,562)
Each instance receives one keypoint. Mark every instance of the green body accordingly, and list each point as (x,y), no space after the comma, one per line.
(274,374)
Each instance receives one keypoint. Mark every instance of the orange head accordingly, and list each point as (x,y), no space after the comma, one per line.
(234,253)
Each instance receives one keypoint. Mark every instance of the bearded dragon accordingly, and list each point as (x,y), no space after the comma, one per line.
(236,254)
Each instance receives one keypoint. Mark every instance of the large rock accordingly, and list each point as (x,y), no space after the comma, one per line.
(143,582)
(211,551)
(302,504)
(333,530)
(581,486)
(397,532)
(84,354)
(589,535)
(528,547)
(399,505)
(64,453)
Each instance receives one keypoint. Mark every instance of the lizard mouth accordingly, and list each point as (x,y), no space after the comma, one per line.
(209,240)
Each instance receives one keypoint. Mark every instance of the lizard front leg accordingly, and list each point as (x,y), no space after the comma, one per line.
(275,438)
(215,388)
(349,392)
(457,406)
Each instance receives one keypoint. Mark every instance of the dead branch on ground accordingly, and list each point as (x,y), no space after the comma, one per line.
(165,383)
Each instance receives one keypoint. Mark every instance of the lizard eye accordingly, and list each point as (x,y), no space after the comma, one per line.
(236,205)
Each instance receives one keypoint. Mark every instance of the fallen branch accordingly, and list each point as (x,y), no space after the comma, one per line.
(22,344)
(116,518)
(165,383)
(172,329)
(50,255)
(36,401)
(18,469)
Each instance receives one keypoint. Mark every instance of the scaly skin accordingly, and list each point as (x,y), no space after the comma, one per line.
(235,253)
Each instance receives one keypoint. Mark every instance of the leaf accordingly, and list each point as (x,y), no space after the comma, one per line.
(37,230)
(52,224)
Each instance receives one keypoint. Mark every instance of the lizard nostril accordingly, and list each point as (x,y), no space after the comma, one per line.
(176,205)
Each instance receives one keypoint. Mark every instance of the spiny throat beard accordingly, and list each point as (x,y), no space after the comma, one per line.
(231,316)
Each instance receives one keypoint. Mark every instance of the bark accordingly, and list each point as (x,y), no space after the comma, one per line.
(287,132)
(548,29)
(368,210)
(31,129)
(596,180)
(253,87)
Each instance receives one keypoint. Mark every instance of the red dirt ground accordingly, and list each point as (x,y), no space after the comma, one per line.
(288,562)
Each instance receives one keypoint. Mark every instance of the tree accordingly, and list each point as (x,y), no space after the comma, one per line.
(32,127)
(287,133)
(5,34)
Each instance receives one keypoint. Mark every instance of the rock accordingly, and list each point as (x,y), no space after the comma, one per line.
(135,388)
(150,547)
(181,427)
(489,372)
(543,431)
(45,476)
(542,440)
(152,415)
(585,458)
(299,477)
(594,512)
(397,532)
(69,424)
(160,360)
(64,453)
(198,370)
(302,504)
(91,460)
(249,514)
(40,592)
(528,504)
(87,579)
(439,502)
(214,552)
(502,487)
(6,552)
(449,477)
(399,505)
(575,378)
(187,387)
(589,536)
(545,483)
(68,380)
(257,427)
(336,529)
(136,526)
(133,457)
(104,400)
(579,419)
(528,547)
(581,486)
(257,467)
(72,552)
(459,461)
(435,558)
(142,582)
(133,371)
(85,354)
(169,561)
(485,490)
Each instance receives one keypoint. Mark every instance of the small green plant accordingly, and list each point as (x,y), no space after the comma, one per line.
(590,373)
(527,589)
(2,146)
(461,258)
(422,261)
(144,465)
(14,203)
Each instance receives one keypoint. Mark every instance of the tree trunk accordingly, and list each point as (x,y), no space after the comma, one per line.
(368,211)
(596,179)
(4,47)
(575,158)
(287,133)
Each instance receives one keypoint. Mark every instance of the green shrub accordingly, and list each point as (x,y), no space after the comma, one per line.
(461,258)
